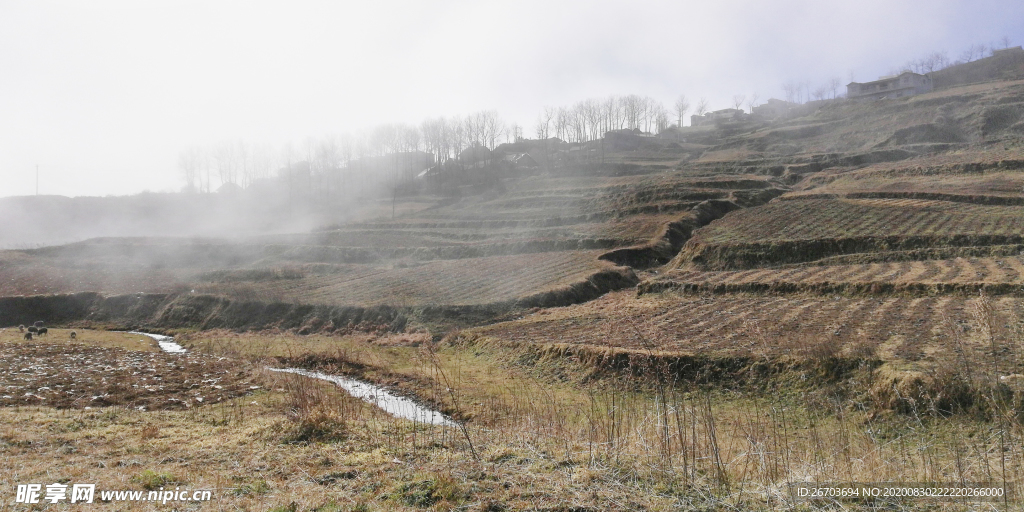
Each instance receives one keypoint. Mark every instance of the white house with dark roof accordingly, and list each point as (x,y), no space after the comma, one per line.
(904,84)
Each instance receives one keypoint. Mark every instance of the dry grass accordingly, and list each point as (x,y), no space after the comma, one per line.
(105,339)
(541,442)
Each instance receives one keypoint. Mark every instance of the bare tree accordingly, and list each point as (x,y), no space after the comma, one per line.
(263,161)
(834,84)
(702,107)
(244,154)
(516,132)
(737,101)
(491,127)
(561,123)
(791,89)
(1004,42)
(613,114)
(752,102)
(820,92)
(189,163)
(224,156)
(681,106)
(661,118)
(433,137)
(541,128)
(973,52)
(547,118)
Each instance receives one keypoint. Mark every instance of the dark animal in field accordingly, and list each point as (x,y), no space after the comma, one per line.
(28,336)
(21,328)
(39,323)
(74,334)
(42,331)
(33,328)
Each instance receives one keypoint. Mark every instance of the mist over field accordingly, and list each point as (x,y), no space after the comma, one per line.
(648,256)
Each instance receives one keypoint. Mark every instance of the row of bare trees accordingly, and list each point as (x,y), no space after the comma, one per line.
(238,162)
(802,92)
(334,162)
(941,60)
(590,119)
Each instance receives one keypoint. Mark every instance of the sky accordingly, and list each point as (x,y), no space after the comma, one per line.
(103,95)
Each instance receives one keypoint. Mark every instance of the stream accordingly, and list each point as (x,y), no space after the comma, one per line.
(397,406)
(166,343)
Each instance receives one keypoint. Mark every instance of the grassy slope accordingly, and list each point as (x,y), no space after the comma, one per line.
(572,443)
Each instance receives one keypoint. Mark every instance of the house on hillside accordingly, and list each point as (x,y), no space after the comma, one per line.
(999,52)
(904,84)
(672,133)
(403,164)
(718,116)
(521,161)
(625,139)
(475,155)
(774,109)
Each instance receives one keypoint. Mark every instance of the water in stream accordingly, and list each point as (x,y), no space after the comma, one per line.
(166,343)
(392,404)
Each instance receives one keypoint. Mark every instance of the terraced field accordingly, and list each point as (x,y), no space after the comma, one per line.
(904,275)
(536,235)
(809,229)
(454,282)
(914,330)
(847,218)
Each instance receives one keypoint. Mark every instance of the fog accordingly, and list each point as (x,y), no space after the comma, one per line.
(104,96)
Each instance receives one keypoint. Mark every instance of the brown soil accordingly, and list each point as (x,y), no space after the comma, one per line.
(75,376)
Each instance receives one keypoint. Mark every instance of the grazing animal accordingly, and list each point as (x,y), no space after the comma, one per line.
(33,328)
(42,331)
(21,328)
(39,323)
(1013,379)
(74,334)
(28,336)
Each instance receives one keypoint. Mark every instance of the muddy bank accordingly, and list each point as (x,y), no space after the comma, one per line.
(166,311)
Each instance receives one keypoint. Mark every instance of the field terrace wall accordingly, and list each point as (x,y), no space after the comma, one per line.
(845,289)
(161,311)
(739,256)
(664,247)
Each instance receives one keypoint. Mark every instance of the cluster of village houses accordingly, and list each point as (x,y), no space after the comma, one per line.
(526,155)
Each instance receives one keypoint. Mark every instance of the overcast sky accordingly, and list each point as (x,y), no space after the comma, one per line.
(103,95)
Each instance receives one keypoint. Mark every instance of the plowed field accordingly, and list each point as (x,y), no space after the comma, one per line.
(1008,270)
(910,329)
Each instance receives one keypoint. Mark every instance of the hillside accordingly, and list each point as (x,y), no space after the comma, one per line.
(658,325)
(930,177)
